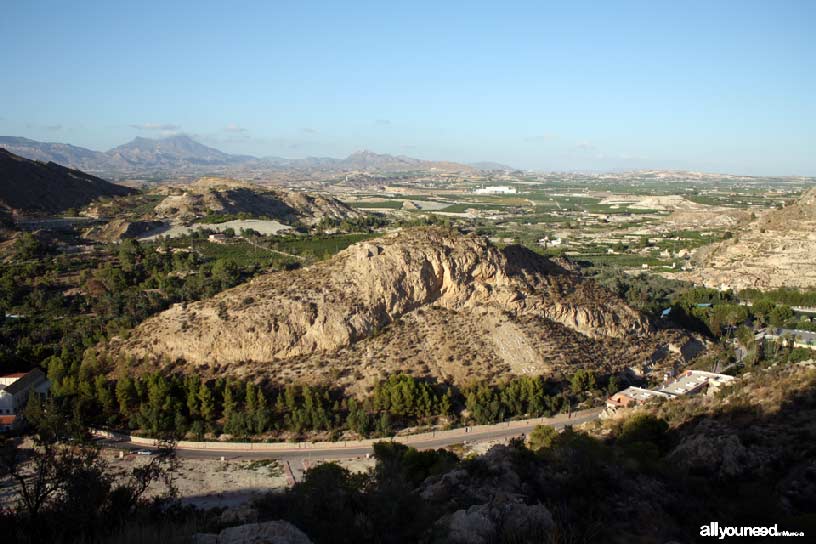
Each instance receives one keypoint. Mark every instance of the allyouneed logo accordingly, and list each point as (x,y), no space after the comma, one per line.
(717,531)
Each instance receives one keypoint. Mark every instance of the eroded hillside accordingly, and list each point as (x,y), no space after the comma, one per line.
(31,187)
(425,301)
(161,209)
(227,196)
(777,249)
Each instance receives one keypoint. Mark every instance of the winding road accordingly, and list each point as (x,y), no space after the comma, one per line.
(345,450)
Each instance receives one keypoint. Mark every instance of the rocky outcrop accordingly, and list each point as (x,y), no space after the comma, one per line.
(217,196)
(778,249)
(270,532)
(500,520)
(498,510)
(119,229)
(277,321)
(714,450)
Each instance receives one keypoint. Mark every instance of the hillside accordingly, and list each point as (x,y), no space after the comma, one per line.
(777,249)
(66,154)
(28,186)
(174,210)
(424,301)
(226,196)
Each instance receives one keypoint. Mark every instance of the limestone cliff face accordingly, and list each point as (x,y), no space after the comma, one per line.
(332,305)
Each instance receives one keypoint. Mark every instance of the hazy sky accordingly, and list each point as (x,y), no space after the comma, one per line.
(713,85)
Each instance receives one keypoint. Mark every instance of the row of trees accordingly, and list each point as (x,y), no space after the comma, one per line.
(187,405)
(528,396)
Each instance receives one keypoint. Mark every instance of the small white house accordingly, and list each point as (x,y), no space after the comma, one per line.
(547,242)
(15,390)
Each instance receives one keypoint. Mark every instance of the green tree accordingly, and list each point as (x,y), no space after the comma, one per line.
(780,314)
(103,395)
(193,388)
(226,272)
(582,380)
(206,402)
(262,416)
(125,396)
(542,437)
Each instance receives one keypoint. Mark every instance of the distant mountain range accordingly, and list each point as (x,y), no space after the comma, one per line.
(28,186)
(489,165)
(182,154)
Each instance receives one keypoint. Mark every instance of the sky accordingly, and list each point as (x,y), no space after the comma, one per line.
(716,86)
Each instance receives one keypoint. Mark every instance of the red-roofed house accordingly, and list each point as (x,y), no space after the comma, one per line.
(15,390)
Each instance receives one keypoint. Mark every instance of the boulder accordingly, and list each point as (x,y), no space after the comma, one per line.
(269,532)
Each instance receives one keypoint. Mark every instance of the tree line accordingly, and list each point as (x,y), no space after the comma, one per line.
(179,406)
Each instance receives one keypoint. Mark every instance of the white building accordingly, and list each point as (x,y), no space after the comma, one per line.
(692,382)
(633,396)
(496,190)
(547,242)
(15,390)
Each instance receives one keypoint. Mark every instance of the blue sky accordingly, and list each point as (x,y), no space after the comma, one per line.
(714,85)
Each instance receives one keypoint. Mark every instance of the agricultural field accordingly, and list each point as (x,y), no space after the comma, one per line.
(633,221)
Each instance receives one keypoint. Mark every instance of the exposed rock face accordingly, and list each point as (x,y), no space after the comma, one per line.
(778,249)
(500,519)
(715,449)
(437,284)
(498,513)
(227,196)
(270,532)
(119,229)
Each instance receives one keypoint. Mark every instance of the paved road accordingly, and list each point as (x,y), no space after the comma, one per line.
(296,456)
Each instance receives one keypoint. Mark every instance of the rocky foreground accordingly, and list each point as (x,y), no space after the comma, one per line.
(429,302)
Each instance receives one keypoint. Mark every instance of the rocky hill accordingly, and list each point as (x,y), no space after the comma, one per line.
(32,187)
(777,249)
(174,209)
(227,196)
(424,301)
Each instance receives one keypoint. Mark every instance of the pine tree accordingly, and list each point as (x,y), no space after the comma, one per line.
(446,403)
(250,398)
(229,401)
(193,387)
(125,396)
(261,419)
(206,402)
(103,395)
